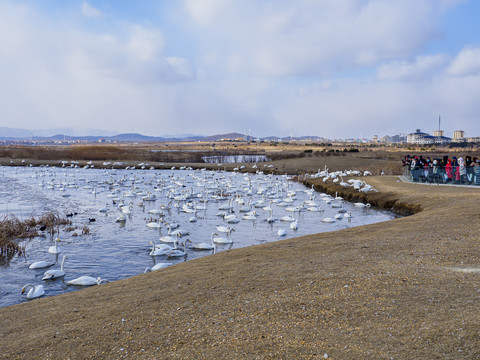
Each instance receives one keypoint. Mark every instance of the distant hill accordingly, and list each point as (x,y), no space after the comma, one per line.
(15,133)
(11,134)
(134,137)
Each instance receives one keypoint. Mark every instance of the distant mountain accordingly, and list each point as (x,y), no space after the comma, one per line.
(12,134)
(230,136)
(133,137)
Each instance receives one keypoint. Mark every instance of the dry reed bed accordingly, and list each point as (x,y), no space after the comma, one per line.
(12,229)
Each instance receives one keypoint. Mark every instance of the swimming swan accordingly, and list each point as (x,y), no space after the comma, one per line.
(34,292)
(54,274)
(41,264)
(54,249)
(222,240)
(161,249)
(157,267)
(86,281)
(206,246)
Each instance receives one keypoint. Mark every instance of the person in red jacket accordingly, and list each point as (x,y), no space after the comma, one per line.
(449,170)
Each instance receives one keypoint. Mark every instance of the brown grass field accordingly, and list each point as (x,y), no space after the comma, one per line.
(294,158)
(402,289)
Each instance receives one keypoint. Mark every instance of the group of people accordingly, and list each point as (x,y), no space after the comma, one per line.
(445,170)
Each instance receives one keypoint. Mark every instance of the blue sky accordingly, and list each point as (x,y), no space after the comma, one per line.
(331,68)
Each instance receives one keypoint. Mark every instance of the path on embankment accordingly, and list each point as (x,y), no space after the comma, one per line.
(386,290)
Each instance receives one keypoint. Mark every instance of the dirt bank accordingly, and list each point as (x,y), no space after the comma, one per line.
(386,290)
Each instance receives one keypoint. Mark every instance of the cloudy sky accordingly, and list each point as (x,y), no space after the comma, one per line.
(332,68)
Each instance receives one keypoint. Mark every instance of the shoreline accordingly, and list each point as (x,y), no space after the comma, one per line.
(376,291)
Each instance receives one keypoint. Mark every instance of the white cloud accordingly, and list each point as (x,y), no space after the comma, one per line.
(423,67)
(89,11)
(313,37)
(466,63)
(145,44)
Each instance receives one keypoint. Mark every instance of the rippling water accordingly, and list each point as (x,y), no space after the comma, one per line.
(119,250)
(230,159)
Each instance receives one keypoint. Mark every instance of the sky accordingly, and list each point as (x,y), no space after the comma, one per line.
(328,68)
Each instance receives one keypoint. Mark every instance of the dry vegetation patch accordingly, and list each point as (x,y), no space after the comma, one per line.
(12,229)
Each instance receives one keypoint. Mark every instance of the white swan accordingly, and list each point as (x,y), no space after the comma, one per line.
(271,219)
(206,246)
(55,274)
(177,252)
(121,218)
(294,225)
(157,267)
(169,239)
(161,249)
(180,232)
(229,217)
(34,292)
(86,281)
(223,228)
(154,225)
(41,264)
(250,216)
(328,220)
(281,232)
(222,240)
(54,249)
(287,218)
(359,204)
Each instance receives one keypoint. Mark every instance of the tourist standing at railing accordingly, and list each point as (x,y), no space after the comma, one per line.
(461,171)
(476,171)
(454,168)
(435,166)
(413,163)
(469,165)
(445,160)
(427,167)
(449,170)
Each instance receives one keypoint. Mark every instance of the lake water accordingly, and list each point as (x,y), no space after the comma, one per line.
(115,250)
(231,159)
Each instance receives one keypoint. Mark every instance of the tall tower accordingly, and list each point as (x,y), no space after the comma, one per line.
(438,133)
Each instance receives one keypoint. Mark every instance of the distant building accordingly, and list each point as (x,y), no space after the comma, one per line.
(458,136)
(474,140)
(420,138)
(375,139)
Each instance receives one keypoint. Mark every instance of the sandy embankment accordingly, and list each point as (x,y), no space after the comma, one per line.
(385,290)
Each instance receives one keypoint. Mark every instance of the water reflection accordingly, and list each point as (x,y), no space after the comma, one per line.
(231,159)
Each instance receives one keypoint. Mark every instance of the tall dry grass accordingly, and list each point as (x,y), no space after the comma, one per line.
(12,229)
